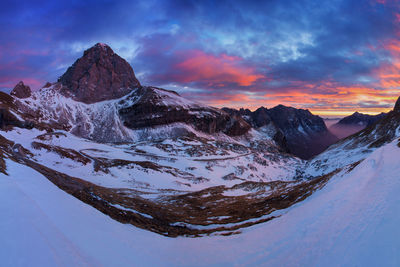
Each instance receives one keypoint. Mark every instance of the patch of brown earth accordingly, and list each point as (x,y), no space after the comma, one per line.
(63,152)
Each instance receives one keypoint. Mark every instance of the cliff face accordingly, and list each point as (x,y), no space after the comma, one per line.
(298,131)
(100,74)
(156,107)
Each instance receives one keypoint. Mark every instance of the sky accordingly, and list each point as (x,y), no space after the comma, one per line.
(333,57)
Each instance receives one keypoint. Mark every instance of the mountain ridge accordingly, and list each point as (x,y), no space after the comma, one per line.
(354,123)
(305,134)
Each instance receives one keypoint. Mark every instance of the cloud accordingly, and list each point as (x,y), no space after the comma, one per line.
(337,55)
(214,71)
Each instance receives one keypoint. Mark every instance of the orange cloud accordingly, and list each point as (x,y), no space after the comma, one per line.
(217,71)
(322,98)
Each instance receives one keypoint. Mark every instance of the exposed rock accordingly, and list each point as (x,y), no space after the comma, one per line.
(98,75)
(261,117)
(298,131)
(156,107)
(47,85)
(21,90)
(6,100)
(305,133)
(7,119)
(397,105)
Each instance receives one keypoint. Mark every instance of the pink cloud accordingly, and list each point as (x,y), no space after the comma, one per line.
(216,70)
(10,82)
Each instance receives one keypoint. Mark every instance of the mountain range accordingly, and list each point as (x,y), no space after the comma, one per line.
(354,123)
(148,157)
(299,131)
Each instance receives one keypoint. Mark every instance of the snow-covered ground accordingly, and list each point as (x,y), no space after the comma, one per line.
(179,164)
(353,221)
(102,122)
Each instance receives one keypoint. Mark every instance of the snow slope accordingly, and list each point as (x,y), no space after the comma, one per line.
(352,221)
(182,164)
(102,121)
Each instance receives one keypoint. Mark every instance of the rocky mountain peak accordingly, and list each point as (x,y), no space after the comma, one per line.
(21,90)
(397,105)
(100,74)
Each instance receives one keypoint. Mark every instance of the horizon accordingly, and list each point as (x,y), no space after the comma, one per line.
(334,58)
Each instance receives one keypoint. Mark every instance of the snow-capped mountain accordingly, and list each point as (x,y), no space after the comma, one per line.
(99,98)
(134,117)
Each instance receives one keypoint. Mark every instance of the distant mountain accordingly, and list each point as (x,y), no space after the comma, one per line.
(361,119)
(354,123)
(355,148)
(306,134)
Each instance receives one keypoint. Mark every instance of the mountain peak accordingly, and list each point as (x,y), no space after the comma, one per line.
(99,48)
(102,45)
(100,74)
(21,90)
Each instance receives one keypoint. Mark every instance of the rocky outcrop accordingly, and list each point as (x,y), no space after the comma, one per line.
(47,85)
(21,90)
(157,107)
(256,119)
(100,74)
(305,133)
(260,118)
(7,119)
(298,131)
(397,105)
